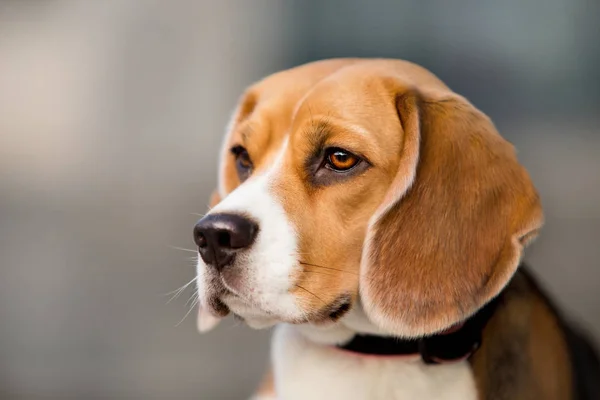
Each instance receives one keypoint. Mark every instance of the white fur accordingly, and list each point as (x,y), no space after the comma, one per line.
(306,365)
(266,269)
(355,321)
(206,321)
(306,370)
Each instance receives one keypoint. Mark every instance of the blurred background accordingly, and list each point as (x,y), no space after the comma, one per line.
(111,114)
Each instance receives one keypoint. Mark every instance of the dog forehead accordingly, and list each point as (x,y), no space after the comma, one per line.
(346,95)
(353,92)
(276,97)
(296,82)
(315,87)
(338,81)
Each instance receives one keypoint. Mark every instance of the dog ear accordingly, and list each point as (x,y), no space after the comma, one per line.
(450,231)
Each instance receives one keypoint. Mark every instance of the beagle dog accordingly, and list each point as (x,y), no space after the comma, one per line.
(378,220)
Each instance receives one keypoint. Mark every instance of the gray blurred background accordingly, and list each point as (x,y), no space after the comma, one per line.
(111,114)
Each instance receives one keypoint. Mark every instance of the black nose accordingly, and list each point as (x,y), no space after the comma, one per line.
(220,236)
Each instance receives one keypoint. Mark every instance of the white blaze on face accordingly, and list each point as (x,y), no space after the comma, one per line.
(264,271)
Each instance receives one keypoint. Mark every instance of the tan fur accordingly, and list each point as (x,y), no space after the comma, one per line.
(264,115)
(428,234)
(215,198)
(437,253)
(453,241)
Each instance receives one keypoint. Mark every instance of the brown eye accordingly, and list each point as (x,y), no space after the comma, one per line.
(243,163)
(341,160)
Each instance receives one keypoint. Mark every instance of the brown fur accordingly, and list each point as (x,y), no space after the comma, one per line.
(446,247)
(428,234)
(523,354)
(453,240)
(214,199)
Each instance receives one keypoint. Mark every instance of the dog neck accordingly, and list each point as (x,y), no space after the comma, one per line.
(356,334)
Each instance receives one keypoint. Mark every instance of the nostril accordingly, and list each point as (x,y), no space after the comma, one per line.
(201,241)
(224,239)
(220,237)
(200,237)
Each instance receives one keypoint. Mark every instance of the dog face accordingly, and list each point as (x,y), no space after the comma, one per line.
(368,180)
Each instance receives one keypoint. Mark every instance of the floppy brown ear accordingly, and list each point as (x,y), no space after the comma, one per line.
(451,229)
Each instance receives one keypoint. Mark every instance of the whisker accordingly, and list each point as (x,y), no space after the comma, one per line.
(197,214)
(194,295)
(318,272)
(177,292)
(196,301)
(308,291)
(287,280)
(333,269)
(182,287)
(183,249)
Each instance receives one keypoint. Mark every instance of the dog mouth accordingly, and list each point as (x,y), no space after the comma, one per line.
(224,300)
(216,292)
(248,313)
(218,307)
(326,315)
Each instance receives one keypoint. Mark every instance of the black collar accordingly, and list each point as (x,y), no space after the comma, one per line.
(434,349)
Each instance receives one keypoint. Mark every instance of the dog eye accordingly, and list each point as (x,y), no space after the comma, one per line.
(340,160)
(243,163)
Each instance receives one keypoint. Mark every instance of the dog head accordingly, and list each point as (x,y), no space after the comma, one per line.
(362,180)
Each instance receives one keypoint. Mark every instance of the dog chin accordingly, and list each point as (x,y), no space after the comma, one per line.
(250,314)
(257,318)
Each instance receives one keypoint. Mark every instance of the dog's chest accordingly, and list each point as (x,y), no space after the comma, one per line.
(304,370)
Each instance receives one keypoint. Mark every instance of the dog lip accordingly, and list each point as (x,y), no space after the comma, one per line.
(340,311)
(217,307)
(329,314)
(235,301)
